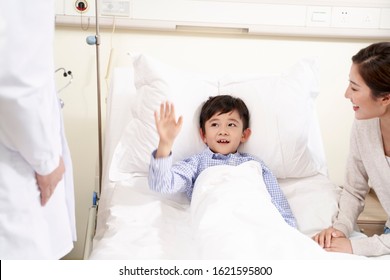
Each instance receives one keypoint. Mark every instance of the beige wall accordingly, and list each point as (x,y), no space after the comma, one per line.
(203,52)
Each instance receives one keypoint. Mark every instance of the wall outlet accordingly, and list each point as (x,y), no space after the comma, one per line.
(79,7)
(115,8)
(349,17)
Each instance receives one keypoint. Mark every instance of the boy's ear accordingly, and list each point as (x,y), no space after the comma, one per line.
(202,135)
(245,135)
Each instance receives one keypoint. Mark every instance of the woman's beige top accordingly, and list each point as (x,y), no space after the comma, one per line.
(366,163)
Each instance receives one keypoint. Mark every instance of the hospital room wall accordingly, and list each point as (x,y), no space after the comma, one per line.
(197,52)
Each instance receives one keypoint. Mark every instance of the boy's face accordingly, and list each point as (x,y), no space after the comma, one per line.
(224,133)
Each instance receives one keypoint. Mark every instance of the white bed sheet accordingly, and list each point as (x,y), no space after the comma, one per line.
(141,224)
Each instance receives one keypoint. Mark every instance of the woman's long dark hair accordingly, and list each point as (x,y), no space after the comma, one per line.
(374,67)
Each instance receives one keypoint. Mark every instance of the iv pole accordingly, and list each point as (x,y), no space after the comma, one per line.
(95,40)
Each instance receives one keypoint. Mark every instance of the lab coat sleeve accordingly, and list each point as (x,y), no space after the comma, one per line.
(29,110)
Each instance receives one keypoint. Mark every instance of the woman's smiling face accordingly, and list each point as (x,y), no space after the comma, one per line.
(364,104)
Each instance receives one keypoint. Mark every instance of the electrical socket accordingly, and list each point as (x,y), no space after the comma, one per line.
(349,17)
(115,8)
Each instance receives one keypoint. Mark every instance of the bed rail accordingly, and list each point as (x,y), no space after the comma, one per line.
(91,226)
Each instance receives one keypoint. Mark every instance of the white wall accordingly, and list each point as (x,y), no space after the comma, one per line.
(203,52)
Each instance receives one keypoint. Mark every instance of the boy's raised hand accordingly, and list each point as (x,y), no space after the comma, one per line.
(167,127)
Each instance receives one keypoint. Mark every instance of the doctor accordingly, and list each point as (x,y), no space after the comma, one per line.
(37,219)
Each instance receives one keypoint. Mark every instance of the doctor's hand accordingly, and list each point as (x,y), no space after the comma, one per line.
(167,127)
(48,183)
(325,237)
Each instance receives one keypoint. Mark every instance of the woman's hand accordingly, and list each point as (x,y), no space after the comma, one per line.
(340,244)
(324,238)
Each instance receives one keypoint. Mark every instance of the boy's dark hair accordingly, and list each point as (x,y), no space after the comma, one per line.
(222,104)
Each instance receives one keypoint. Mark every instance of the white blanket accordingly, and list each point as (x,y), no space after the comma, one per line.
(230,217)
(233,218)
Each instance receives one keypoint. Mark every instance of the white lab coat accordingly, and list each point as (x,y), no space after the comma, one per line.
(31,137)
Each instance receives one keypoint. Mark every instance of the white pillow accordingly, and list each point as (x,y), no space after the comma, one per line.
(285,133)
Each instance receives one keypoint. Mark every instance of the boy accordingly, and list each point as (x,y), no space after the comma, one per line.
(224,125)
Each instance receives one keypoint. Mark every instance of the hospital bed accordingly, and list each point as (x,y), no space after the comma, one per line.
(230,216)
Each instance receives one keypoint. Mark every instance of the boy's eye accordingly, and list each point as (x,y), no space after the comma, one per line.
(232,124)
(213,124)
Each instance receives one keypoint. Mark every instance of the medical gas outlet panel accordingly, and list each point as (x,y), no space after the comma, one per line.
(327,18)
(87,8)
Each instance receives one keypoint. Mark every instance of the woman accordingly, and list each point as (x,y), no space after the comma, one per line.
(368,163)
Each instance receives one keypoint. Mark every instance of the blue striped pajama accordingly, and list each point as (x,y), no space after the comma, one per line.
(165,177)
